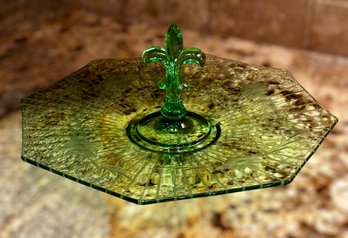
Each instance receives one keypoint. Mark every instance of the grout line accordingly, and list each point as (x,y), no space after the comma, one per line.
(310,14)
(208,28)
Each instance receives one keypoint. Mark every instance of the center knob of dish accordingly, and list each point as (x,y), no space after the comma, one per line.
(173,129)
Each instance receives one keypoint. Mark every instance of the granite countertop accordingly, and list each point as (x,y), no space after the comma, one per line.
(38,49)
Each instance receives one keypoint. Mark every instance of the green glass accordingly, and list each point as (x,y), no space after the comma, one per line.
(242,127)
(173,57)
(173,129)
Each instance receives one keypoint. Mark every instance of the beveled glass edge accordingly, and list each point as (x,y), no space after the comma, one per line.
(154,201)
(317,145)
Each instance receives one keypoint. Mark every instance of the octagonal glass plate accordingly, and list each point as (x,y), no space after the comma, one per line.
(270,126)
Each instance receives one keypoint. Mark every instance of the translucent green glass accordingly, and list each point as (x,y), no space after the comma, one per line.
(173,57)
(173,130)
(268,128)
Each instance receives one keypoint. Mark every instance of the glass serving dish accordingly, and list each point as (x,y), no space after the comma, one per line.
(190,125)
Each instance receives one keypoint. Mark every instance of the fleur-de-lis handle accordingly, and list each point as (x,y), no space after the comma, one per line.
(173,56)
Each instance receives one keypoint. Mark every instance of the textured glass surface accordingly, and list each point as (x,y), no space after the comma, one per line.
(270,126)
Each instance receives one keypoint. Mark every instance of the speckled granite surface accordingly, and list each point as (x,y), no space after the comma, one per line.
(37,49)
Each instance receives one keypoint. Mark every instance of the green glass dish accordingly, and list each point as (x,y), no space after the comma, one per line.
(239,127)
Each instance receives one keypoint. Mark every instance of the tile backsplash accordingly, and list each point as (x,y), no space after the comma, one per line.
(319,25)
